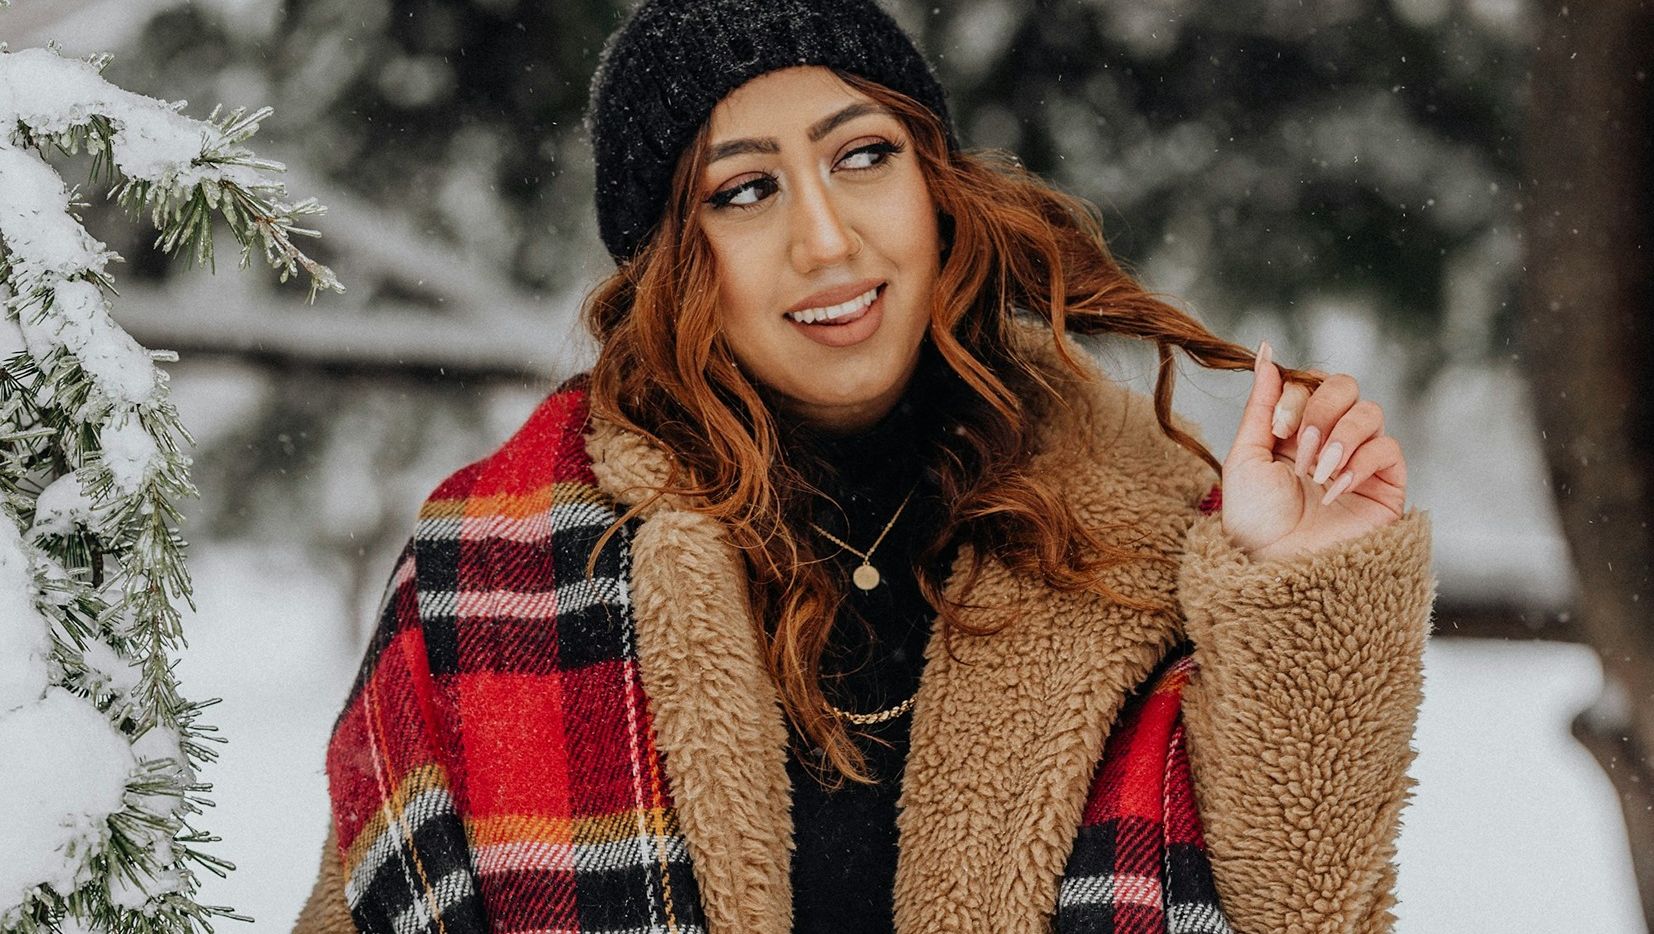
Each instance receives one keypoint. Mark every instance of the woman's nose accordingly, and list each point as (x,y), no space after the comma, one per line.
(820,235)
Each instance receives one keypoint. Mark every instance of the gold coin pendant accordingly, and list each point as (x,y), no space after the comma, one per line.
(866,577)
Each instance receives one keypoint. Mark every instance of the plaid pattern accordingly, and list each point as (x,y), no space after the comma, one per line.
(1139,863)
(495,768)
(1212,501)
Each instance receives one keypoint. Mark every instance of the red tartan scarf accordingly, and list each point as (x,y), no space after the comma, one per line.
(495,766)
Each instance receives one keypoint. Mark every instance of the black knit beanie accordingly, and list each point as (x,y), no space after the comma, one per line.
(662,72)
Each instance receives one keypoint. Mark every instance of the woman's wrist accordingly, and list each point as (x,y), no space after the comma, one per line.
(1297,546)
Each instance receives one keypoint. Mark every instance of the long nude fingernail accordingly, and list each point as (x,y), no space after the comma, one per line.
(1337,488)
(1328,460)
(1306,449)
(1281,426)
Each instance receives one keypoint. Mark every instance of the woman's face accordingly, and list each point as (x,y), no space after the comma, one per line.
(812,199)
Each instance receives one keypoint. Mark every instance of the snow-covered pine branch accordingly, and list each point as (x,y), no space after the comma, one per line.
(98,750)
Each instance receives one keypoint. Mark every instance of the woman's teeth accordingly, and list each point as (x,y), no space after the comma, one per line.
(813,315)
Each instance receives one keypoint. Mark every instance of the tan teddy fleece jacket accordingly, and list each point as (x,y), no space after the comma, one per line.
(1299,721)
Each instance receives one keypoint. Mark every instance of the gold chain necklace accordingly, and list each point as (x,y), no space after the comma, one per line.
(879,716)
(866,576)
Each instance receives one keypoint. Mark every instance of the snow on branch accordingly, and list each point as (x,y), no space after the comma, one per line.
(181,169)
(98,751)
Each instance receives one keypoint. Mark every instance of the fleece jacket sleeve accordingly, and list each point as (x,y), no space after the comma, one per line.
(325,912)
(1300,720)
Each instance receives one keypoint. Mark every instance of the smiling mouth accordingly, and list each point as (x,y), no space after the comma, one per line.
(833,314)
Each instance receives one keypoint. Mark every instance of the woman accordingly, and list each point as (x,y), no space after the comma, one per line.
(844,594)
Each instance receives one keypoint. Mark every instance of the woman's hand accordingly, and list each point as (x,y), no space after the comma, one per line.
(1306,470)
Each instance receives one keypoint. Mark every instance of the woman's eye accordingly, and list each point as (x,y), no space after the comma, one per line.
(737,195)
(752,192)
(867,157)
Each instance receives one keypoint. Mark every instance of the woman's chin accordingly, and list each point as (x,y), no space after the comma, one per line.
(845,411)
(839,390)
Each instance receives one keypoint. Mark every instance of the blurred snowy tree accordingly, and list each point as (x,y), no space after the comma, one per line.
(461,117)
(1258,155)
(1588,338)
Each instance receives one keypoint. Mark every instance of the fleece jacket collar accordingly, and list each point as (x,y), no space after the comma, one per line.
(1006,733)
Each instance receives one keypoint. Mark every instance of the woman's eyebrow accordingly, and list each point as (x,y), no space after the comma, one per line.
(816,131)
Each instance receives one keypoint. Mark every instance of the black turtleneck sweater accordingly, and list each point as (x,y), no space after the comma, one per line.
(844,861)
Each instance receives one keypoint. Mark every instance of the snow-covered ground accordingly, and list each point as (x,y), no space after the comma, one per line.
(1513,828)
(269,640)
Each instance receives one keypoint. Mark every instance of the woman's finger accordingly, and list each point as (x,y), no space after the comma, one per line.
(1326,405)
(1365,419)
(1290,410)
(1379,457)
(1253,440)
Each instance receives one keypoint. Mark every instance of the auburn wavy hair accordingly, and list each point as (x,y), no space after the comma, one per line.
(1014,245)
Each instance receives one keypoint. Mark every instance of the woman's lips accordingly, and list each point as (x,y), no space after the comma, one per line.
(851,329)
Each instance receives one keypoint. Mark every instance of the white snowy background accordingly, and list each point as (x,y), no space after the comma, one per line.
(1513,828)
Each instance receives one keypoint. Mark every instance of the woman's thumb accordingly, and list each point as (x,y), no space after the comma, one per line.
(1254,438)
